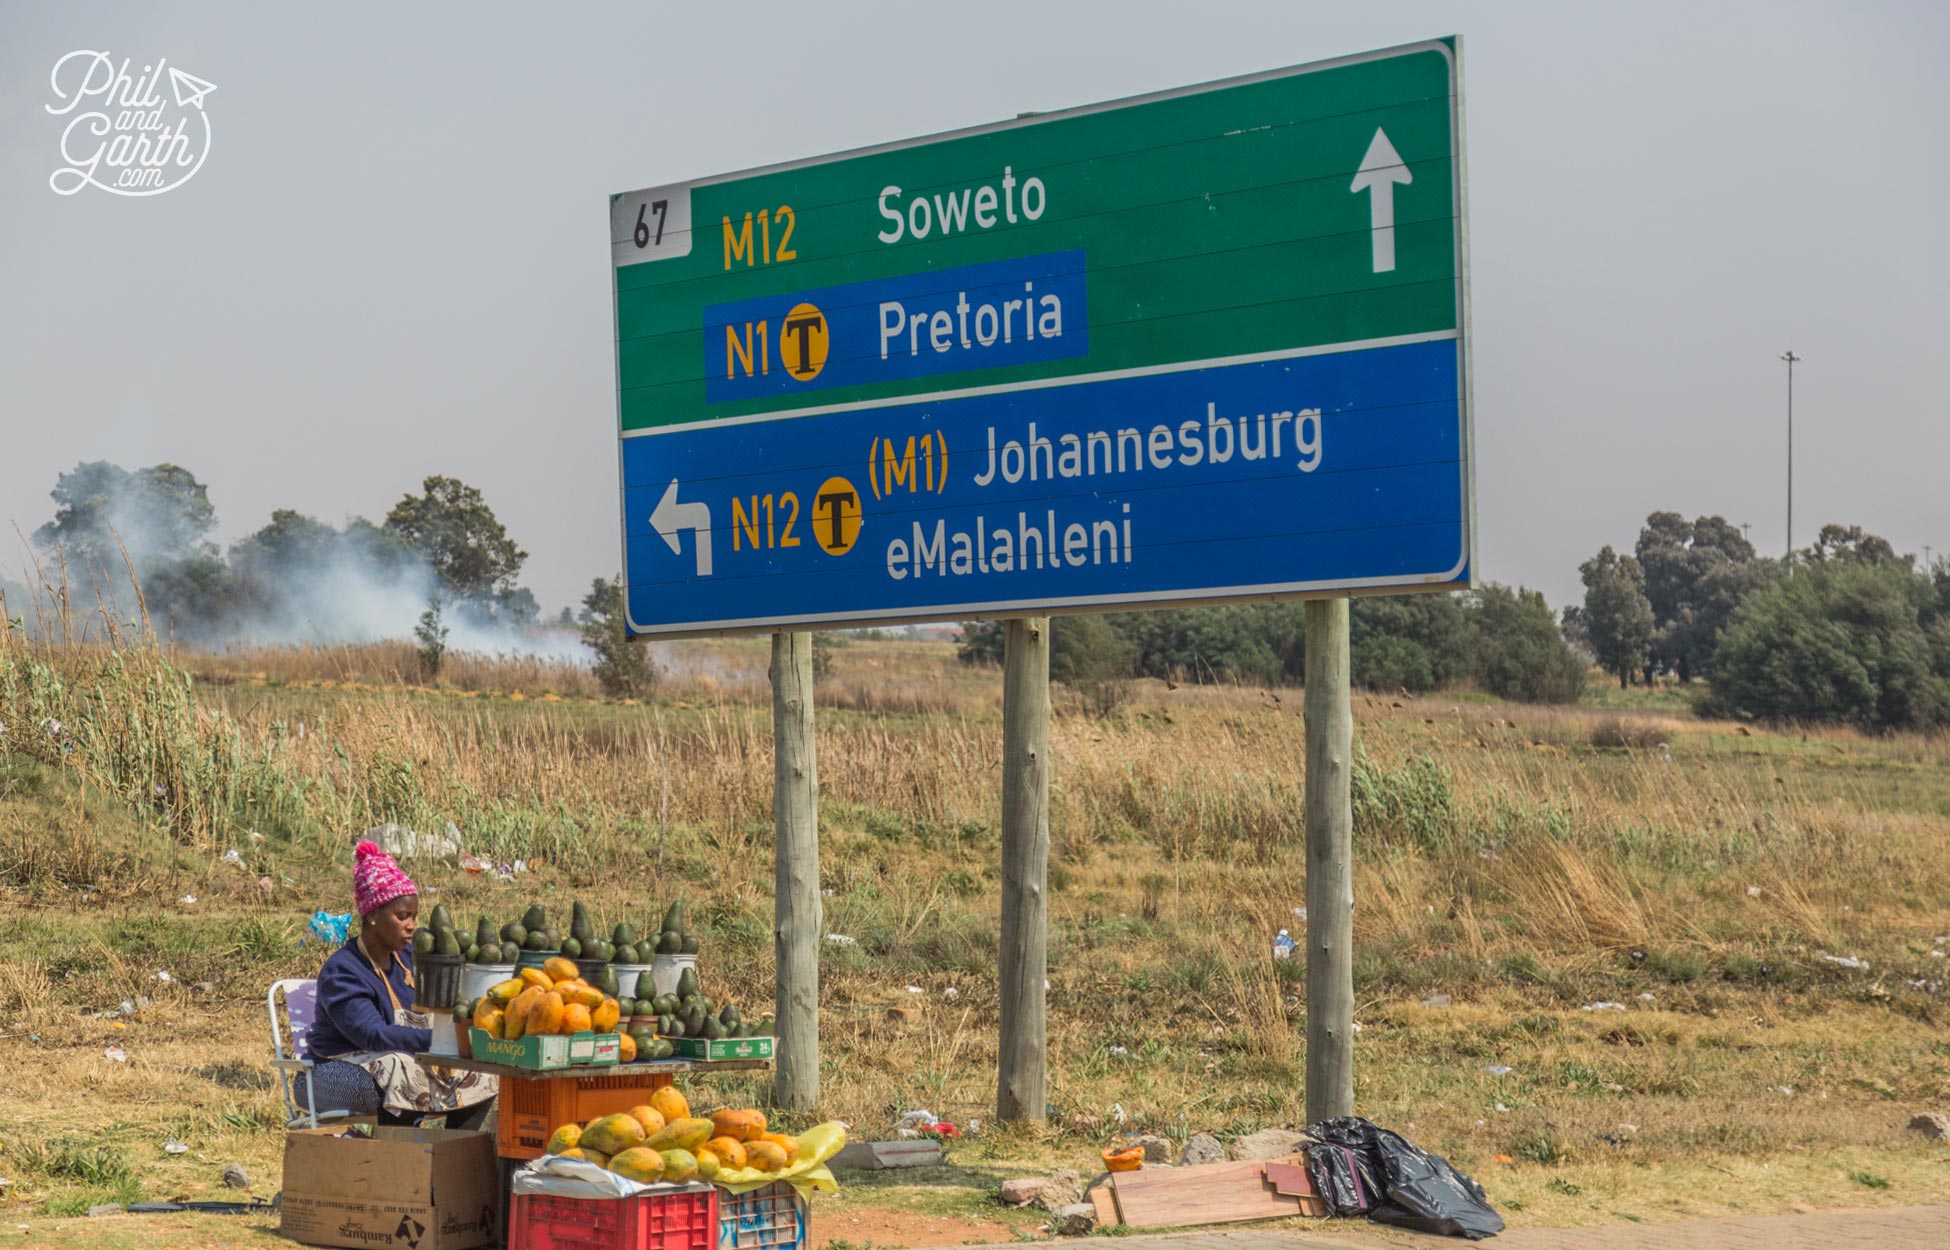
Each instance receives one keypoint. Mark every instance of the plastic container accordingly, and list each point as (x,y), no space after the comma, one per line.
(533,1108)
(478,979)
(436,982)
(627,976)
(667,970)
(774,1216)
(446,1035)
(591,968)
(535,959)
(684,1218)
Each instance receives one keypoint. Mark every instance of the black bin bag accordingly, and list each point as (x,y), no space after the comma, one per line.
(1417,1190)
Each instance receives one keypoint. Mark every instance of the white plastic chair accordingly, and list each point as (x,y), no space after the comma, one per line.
(300,1009)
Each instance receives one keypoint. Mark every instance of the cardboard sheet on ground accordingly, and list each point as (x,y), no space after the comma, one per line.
(577,1178)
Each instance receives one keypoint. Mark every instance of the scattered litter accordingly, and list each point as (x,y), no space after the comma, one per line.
(951,992)
(1604,1006)
(1046,983)
(405,842)
(1120,1050)
(1283,946)
(1646,997)
(174,1147)
(1753,891)
(922,1118)
(841,939)
(1437,1000)
(117,1054)
(830,892)
(474,866)
(1498,1069)
(1300,914)
(187,899)
(164,977)
(915,989)
(331,928)
(1356,1024)
(1612,1087)
(1502,1110)
(1786,1091)
(1843,961)
(255,836)
(232,857)
(1937,954)
(265,883)
(1117,1112)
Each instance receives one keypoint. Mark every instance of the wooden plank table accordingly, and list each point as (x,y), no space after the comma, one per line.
(651,1067)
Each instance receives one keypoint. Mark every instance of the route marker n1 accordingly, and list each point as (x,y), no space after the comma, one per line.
(1203,345)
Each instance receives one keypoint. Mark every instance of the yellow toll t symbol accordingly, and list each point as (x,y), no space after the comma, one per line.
(836,516)
(803,338)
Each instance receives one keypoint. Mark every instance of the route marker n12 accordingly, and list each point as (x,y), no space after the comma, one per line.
(1203,345)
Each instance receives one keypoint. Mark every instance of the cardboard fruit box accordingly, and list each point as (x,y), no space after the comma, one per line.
(723,1048)
(548,1052)
(401,1189)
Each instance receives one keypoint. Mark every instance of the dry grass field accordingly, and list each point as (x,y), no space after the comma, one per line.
(1690,967)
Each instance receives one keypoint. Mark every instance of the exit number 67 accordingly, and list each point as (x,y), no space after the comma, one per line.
(651,224)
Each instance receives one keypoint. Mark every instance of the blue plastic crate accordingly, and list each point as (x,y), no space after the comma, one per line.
(772,1218)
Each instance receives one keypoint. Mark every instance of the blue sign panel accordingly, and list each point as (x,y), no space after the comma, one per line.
(987,316)
(1274,476)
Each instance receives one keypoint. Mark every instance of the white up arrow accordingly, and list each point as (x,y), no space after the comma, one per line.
(1380,170)
(672,518)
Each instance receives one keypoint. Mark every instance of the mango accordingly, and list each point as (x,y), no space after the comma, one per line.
(640,1164)
(559,969)
(536,978)
(503,992)
(584,995)
(565,1138)
(671,1105)
(679,1166)
(649,1117)
(738,1125)
(680,1134)
(614,1133)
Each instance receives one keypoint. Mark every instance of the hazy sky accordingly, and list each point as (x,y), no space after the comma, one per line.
(395,263)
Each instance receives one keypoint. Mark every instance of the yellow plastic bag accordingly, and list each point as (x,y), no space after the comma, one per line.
(808,1173)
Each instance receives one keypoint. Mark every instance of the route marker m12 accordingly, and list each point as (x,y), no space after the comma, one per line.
(1209,344)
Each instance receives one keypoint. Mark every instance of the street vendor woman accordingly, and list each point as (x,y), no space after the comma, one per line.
(366,1032)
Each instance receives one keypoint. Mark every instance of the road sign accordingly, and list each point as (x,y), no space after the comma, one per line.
(1193,346)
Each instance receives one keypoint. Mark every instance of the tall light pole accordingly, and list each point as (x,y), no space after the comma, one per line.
(1791,358)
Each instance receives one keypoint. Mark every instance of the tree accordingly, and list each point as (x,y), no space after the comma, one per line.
(160,514)
(432,635)
(292,545)
(1695,572)
(981,642)
(1617,618)
(1408,642)
(624,668)
(1855,641)
(1090,655)
(1518,652)
(454,530)
(1851,544)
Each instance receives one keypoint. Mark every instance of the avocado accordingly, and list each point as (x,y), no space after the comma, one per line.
(472,951)
(463,1009)
(730,1015)
(625,954)
(687,983)
(536,942)
(689,945)
(510,952)
(514,931)
(571,949)
(606,980)
(534,917)
(623,934)
(579,927)
(713,1029)
(484,932)
(445,943)
(440,918)
(670,943)
(423,942)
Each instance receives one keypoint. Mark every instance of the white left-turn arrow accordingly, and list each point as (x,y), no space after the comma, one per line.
(1380,170)
(672,518)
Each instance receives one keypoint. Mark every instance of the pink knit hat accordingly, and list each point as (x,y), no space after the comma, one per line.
(377,879)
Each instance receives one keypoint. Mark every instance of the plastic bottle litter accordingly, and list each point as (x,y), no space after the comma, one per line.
(1283,945)
(1498,1069)
(117,1054)
(1844,961)
(187,899)
(163,976)
(1604,1007)
(841,939)
(951,992)
(915,989)
(175,1147)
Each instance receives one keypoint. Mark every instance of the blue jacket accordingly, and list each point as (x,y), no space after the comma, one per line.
(354,1011)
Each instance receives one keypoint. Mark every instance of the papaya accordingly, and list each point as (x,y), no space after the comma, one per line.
(639,1164)
(650,1118)
(671,1105)
(584,994)
(565,1137)
(707,1165)
(738,1125)
(790,1145)
(545,1017)
(494,1023)
(575,1019)
(765,1156)
(604,1015)
(679,1166)
(625,1049)
(560,969)
(503,992)
(613,1133)
(535,978)
(729,1152)
(682,1133)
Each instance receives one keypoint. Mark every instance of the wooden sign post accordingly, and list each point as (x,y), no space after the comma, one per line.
(1330,881)
(796,920)
(1021,1092)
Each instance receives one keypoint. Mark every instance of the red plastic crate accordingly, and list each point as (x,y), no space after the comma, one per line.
(772,1218)
(532,1107)
(676,1219)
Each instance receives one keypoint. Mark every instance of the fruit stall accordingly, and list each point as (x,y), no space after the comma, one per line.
(587,1035)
